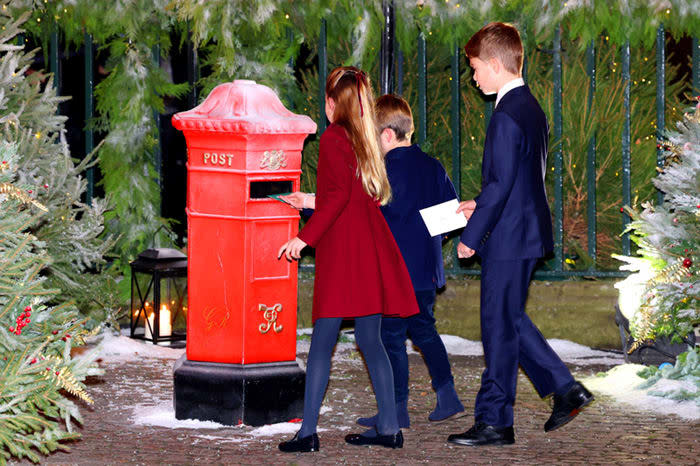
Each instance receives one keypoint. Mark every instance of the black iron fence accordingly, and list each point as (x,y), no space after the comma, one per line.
(391,79)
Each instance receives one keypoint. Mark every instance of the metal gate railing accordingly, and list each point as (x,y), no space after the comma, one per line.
(557,263)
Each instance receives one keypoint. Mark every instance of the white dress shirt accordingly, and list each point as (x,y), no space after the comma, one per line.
(507,87)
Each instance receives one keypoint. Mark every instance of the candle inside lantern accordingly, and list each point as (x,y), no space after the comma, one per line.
(164,327)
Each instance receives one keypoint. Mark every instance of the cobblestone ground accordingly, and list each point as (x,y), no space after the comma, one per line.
(606,433)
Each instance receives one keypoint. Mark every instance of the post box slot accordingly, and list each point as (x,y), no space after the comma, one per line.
(261,189)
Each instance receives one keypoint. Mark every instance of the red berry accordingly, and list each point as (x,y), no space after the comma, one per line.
(622,209)
(64,338)
(48,369)
(27,309)
(46,186)
(18,332)
(55,332)
(56,372)
(28,320)
(28,314)
(687,262)
(33,361)
(67,335)
(11,329)
(30,191)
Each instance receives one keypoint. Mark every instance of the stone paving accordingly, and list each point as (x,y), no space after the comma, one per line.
(606,433)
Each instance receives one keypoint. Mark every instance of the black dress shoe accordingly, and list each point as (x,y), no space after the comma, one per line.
(484,434)
(567,406)
(388,441)
(301,444)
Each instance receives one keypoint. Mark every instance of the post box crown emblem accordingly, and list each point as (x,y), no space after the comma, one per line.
(243,106)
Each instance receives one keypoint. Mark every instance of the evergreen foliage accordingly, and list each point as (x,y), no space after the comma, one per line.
(71,231)
(258,40)
(668,236)
(686,369)
(39,380)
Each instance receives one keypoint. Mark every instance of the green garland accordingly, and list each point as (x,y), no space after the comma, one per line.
(257,40)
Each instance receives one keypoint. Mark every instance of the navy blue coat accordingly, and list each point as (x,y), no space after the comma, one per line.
(417,181)
(512,218)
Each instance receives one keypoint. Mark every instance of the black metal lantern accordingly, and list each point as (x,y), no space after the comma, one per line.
(159,296)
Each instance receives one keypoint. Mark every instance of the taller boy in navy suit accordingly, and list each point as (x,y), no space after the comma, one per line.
(510,228)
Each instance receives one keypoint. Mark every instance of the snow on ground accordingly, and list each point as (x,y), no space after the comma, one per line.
(583,355)
(163,415)
(622,383)
(120,349)
(569,351)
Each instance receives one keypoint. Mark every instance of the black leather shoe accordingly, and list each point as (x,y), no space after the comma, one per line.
(301,444)
(484,434)
(388,441)
(567,406)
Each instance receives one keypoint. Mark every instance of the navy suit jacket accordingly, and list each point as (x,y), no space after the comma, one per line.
(417,181)
(512,218)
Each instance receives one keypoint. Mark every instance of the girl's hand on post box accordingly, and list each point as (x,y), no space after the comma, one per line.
(300,200)
(292,249)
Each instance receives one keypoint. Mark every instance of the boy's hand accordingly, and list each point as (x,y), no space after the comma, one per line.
(467,208)
(292,249)
(464,251)
(300,200)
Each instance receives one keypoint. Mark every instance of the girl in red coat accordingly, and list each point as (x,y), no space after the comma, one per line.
(360,272)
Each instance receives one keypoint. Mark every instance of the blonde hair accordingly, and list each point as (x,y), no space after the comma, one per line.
(351,91)
(393,112)
(497,40)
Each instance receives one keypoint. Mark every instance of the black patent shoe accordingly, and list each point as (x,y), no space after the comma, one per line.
(483,434)
(301,444)
(567,406)
(388,441)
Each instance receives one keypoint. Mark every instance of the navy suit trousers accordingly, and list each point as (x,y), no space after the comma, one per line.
(421,329)
(511,339)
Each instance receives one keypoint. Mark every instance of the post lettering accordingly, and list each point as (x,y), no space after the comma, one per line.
(213,158)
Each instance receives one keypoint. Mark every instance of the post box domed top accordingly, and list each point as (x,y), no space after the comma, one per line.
(243,106)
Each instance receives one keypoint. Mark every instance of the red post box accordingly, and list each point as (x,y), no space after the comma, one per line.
(243,145)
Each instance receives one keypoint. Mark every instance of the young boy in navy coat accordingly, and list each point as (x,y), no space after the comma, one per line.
(510,228)
(417,181)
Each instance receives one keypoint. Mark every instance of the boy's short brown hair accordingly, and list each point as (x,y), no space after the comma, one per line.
(497,40)
(393,112)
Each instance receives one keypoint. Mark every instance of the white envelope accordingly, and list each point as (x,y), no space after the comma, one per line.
(442,218)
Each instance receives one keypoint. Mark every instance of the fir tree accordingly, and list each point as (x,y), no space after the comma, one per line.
(38,378)
(71,230)
(665,283)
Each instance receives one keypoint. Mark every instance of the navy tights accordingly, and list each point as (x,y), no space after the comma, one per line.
(318,366)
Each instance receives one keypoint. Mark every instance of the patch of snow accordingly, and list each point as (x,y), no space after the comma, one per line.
(568,351)
(276,429)
(164,416)
(459,346)
(622,382)
(122,349)
(582,355)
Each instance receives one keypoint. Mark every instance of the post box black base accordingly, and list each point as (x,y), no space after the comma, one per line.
(254,394)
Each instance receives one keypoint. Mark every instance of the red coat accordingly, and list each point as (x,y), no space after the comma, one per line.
(359,268)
